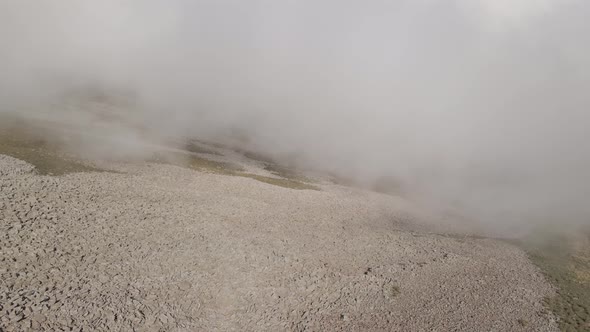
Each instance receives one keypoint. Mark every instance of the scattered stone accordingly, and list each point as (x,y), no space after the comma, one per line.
(166,248)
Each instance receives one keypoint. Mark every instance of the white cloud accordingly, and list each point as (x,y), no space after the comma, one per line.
(508,13)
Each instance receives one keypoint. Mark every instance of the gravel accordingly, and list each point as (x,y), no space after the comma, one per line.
(162,248)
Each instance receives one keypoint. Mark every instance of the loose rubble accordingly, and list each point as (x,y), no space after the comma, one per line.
(162,248)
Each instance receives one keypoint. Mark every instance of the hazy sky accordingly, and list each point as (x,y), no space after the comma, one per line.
(478,103)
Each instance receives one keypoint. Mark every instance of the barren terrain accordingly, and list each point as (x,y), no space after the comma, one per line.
(159,247)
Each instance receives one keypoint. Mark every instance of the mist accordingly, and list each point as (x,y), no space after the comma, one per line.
(476,106)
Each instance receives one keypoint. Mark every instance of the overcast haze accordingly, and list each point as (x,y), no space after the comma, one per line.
(480,105)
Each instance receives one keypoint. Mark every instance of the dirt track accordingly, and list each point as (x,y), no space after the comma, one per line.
(158,247)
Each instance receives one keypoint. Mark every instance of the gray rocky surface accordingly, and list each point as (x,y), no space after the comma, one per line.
(162,248)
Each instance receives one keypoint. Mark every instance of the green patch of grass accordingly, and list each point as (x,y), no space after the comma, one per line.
(46,158)
(196,163)
(286,173)
(276,169)
(258,157)
(565,261)
(203,164)
(216,167)
(196,148)
(270,164)
(286,183)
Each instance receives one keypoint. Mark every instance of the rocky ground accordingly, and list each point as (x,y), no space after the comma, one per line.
(156,247)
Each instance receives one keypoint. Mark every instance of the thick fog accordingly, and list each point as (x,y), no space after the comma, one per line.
(475,105)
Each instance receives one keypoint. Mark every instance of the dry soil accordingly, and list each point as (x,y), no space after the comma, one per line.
(156,247)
